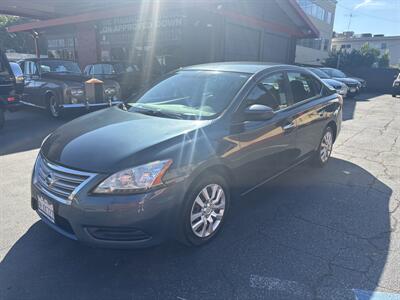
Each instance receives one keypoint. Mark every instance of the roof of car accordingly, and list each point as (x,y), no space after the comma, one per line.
(242,67)
(46,59)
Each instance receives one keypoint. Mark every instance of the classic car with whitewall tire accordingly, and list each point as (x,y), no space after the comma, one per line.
(167,165)
(59,85)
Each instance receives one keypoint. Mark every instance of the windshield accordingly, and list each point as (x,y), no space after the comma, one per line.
(335,73)
(191,94)
(319,73)
(59,66)
(16,69)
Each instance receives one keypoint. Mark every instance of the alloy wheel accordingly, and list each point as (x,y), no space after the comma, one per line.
(207,210)
(326,146)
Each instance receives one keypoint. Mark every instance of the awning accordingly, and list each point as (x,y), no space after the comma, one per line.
(78,11)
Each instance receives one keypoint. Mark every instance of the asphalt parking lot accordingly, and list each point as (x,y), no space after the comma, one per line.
(329,233)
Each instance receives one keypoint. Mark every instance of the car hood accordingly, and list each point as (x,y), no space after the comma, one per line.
(65,77)
(358,79)
(347,80)
(112,139)
(332,82)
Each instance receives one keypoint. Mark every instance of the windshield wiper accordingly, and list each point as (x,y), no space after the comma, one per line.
(158,113)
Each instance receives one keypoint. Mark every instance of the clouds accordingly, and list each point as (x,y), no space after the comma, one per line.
(369,3)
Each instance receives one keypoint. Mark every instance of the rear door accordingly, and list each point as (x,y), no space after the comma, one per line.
(310,110)
(266,147)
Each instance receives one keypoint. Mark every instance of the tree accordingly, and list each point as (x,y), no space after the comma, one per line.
(365,57)
(383,61)
(20,41)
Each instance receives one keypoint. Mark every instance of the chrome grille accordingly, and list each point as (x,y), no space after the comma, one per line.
(58,182)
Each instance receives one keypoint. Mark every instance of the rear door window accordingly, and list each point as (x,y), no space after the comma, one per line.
(303,86)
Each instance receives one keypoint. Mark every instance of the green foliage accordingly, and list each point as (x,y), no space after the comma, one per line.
(383,61)
(365,57)
(21,41)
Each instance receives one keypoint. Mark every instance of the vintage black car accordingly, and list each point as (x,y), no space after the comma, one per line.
(57,85)
(9,95)
(131,76)
(127,75)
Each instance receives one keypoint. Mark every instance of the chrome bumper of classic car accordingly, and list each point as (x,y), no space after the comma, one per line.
(89,105)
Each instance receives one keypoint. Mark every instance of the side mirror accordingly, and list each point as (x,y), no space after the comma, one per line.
(258,112)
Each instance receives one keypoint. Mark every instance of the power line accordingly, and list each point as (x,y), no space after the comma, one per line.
(368,15)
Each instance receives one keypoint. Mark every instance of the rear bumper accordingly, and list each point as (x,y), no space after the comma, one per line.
(11,106)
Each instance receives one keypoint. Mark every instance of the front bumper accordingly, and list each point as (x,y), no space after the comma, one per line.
(88,105)
(131,221)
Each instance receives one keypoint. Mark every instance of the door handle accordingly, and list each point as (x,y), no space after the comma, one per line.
(289,126)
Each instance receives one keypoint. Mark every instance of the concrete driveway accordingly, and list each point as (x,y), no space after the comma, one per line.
(329,233)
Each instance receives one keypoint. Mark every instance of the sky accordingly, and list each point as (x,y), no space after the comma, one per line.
(368,16)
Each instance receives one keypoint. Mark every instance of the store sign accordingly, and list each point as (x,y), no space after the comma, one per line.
(60,43)
(125,30)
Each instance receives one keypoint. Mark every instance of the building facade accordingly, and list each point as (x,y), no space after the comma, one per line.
(170,34)
(386,44)
(322,14)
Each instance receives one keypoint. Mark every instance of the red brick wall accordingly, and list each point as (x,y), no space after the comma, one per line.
(86,44)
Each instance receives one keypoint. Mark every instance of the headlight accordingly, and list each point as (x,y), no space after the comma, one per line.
(77,92)
(110,92)
(135,179)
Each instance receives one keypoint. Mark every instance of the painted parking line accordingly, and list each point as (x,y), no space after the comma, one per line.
(368,295)
(300,290)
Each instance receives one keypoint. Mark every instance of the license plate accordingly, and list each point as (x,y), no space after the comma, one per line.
(46,208)
(352,90)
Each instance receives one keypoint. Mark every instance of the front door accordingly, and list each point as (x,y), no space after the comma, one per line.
(266,147)
(31,74)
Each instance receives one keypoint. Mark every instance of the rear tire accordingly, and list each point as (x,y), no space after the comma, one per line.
(205,210)
(322,155)
(2,118)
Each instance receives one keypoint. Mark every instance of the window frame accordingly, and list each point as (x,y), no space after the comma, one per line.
(238,113)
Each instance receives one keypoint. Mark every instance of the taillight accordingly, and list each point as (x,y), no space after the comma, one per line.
(10,99)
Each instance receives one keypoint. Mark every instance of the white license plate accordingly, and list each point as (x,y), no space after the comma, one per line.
(352,90)
(46,208)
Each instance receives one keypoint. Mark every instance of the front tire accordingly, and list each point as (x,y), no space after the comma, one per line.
(205,209)
(322,155)
(53,107)
(2,118)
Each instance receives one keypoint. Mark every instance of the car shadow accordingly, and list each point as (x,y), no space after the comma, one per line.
(349,104)
(26,128)
(311,234)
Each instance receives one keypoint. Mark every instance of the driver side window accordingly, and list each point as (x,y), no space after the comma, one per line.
(270,91)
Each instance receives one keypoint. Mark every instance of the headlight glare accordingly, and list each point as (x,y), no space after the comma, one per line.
(110,92)
(77,92)
(135,179)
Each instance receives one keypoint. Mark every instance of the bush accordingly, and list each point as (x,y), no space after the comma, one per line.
(365,57)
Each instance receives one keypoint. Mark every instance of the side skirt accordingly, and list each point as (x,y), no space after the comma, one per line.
(275,176)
